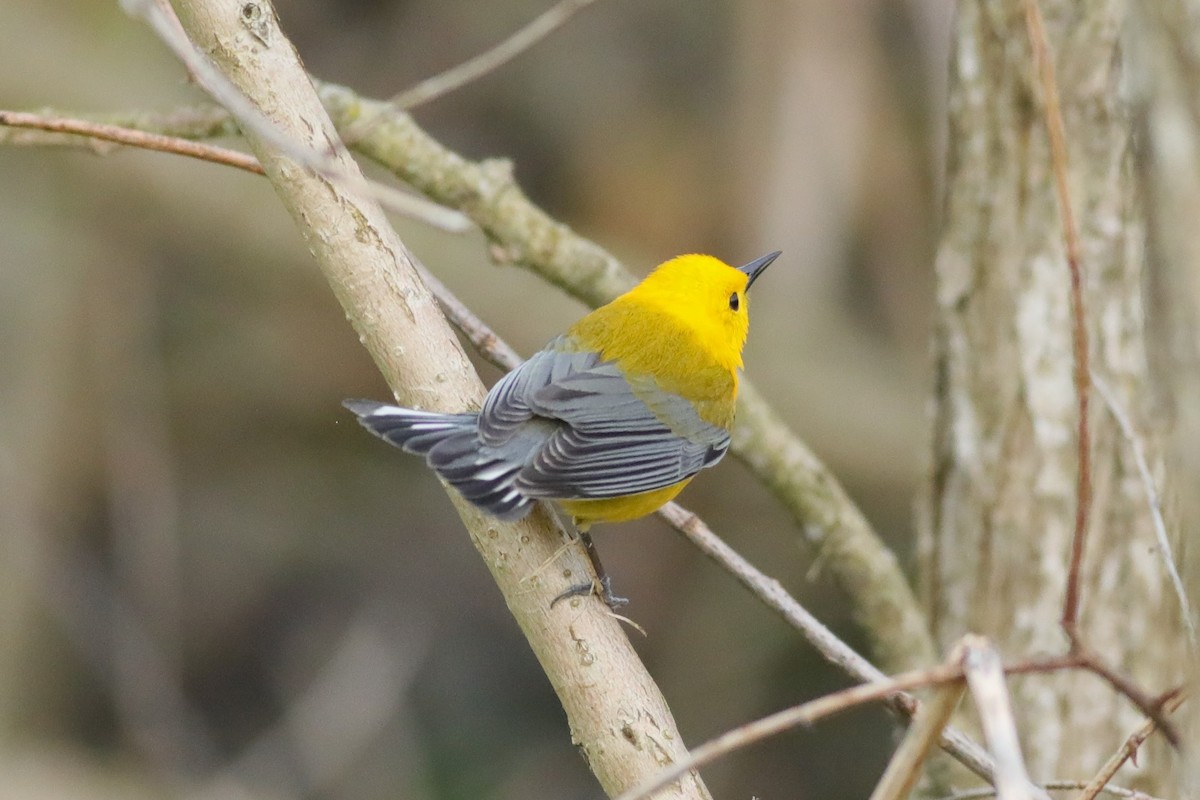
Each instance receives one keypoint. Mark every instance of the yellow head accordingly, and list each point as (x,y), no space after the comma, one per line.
(708,296)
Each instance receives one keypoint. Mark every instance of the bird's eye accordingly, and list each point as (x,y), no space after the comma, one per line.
(734,301)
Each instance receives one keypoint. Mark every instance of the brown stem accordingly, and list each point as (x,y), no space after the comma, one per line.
(1044,65)
(132,138)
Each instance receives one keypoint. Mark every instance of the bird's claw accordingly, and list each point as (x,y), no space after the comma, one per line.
(601,588)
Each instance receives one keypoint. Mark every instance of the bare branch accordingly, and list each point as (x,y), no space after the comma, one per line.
(803,714)
(985,677)
(836,651)
(1160,526)
(486,342)
(131,138)
(1128,750)
(488,61)
(1044,65)
(1152,707)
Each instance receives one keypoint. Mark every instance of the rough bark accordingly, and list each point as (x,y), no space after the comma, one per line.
(1166,51)
(999,514)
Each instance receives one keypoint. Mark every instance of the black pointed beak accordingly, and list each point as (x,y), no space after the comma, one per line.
(755,267)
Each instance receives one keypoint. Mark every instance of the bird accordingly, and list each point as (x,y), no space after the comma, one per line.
(612,419)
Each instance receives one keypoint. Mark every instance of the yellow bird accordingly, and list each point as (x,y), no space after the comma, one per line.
(613,418)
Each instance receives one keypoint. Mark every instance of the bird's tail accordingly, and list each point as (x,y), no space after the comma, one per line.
(450,445)
(412,431)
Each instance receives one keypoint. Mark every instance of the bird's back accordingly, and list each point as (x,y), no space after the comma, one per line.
(662,354)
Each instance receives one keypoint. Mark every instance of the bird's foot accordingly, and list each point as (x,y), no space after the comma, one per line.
(602,588)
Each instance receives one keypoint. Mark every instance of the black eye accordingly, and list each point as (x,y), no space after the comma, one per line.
(734,301)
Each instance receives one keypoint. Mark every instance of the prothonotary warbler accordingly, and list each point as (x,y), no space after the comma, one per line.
(613,418)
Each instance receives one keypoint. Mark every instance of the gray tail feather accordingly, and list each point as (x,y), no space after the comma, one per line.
(450,445)
(411,430)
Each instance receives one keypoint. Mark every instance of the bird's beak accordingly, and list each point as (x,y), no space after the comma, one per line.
(755,267)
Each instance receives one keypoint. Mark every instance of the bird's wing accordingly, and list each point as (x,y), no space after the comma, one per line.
(507,408)
(615,437)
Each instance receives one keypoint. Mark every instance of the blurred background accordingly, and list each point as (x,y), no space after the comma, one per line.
(214,584)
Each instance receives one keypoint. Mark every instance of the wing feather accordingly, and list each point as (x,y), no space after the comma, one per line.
(615,437)
(581,429)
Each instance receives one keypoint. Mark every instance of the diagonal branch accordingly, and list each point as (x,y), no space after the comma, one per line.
(1127,751)
(803,714)
(1152,500)
(375,280)
(488,61)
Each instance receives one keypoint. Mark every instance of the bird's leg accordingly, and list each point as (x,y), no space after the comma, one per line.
(601,586)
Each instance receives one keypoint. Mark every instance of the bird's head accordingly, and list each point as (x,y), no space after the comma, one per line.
(708,295)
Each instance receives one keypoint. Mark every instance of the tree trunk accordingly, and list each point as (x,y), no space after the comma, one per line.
(998,516)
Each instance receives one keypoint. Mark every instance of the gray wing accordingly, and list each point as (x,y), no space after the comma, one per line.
(612,438)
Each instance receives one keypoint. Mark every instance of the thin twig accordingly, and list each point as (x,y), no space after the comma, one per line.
(472,69)
(836,651)
(132,138)
(1044,65)
(1160,526)
(475,68)
(419,209)
(486,342)
(889,689)
(1128,750)
(161,18)
(1152,707)
(803,714)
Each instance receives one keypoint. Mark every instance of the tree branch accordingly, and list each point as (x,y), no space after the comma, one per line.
(1127,751)
(65,131)
(803,714)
